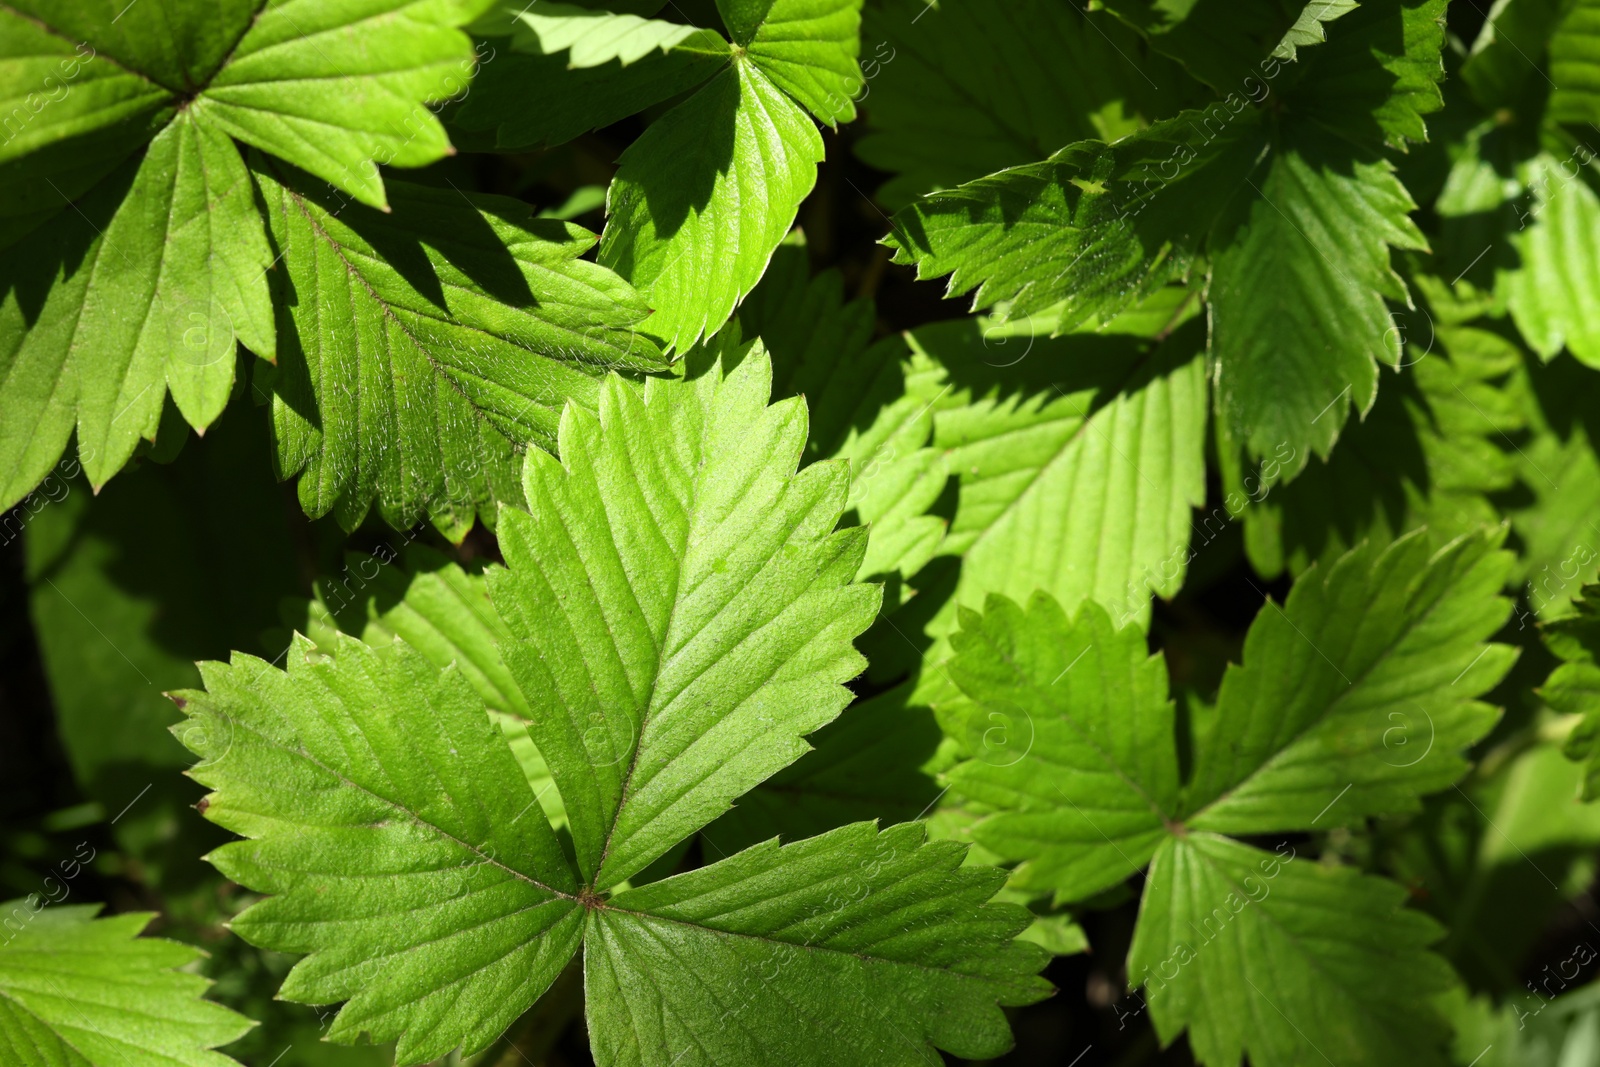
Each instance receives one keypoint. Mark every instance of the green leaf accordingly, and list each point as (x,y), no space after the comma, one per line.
(1298,225)
(339,88)
(1559,473)
(1225,44)
(1501,70)
(808,48)
(1364,665)
(475,914)
(875,761)
(1382,654)
(702,199)
(874,946)
(966,89)
(1379,73)
(1575,65)
(1434,447)
(1084,234)
(677,583)
(1284,961)
(71,114)
(442,610)
(587,69)
(1552,289)
(573,102)
(866,410)
(1339,688)
(1298,286)
(682,611)
(594,38)
(144,288)
(1078,458)
(431,603)
(471,323)
(1573,688)
(1077,746)
(86,992)
(175,45)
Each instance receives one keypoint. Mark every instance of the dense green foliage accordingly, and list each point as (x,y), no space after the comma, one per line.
(777,532)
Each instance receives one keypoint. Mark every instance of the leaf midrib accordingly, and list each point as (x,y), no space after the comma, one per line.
(1310,958)
(386,309)
(1086,416)
(302,753)
(1331,710)
(689,515)
(1028,683)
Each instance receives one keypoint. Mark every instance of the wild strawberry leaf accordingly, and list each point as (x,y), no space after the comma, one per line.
(859,947)
(157,264)
(965,89)
(1306,202)
(337,87)
(586,68)
(1575,65)
(463,324)
(477,912)
(71,115)
(1087,784)
(1285,961)
(865,410)
(143,288)
(91,993)
(1079,459)
(683,613)
(1225,45)
(1552,284)
(677,584)
(1354,698)
(705,195)
(1436,445)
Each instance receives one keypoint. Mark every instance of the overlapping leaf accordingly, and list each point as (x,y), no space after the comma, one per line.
(1279,961)
(1305,203)
(1573,688)
(1078,458)
(157,264)
(1553,286)
(677,591)
(1227,45)
(586,69)
(1354,698)
(866,409)
(704,197)
(87,992)
(1436,445)
(425,349)
(141,289)
(858,947)
(1575,65)
(704,609)
(338,88)
(965,89)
